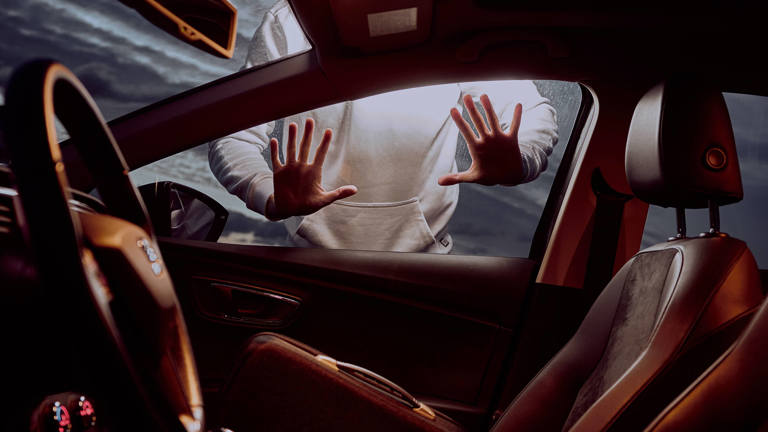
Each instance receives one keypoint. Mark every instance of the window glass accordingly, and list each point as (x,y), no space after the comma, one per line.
(393,147)
(123,60)
(745,219)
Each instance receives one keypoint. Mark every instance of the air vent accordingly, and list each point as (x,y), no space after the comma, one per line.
(9,226)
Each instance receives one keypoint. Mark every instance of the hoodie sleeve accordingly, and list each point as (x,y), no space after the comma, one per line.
(538,129)
(237,160)
(278,36)
(238,163)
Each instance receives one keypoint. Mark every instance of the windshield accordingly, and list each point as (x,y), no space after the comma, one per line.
(123,60)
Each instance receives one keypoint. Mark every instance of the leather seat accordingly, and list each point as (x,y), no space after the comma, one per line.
(731,394)
(673,308)
(667,314)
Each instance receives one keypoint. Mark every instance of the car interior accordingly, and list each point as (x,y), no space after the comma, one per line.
(118,316)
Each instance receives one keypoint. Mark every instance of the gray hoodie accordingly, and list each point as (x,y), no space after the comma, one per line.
(392,146)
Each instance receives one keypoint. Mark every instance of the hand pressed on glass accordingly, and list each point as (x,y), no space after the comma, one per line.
(298,182)
(495,154)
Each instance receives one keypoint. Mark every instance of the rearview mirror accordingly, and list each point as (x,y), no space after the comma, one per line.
(209,25)
(179,211)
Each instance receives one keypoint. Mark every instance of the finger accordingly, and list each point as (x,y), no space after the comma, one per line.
(463,126)
(306,140)
(490,114)
(340,193)
(290,151)
(455,178)
(322,149)
(274,150)
(517,117)
(476,117)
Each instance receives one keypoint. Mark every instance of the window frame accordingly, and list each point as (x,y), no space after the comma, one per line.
(565,172)
(555,198)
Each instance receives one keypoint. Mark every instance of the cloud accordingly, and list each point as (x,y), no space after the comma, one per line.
(123,60)
(123,30)
(106,80)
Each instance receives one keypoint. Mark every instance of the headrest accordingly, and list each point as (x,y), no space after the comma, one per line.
(680,148)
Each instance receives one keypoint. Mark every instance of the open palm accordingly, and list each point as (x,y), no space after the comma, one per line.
(495,154)
(298,182)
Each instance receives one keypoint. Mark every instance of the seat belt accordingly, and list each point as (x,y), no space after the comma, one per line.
(605,236)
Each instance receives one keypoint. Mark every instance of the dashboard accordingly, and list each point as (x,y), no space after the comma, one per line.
(65,412)
(40,365)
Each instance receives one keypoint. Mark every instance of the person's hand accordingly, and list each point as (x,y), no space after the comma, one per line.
(298,183)
(495,154)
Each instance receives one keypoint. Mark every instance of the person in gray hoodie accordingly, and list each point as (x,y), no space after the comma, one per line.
(389,180)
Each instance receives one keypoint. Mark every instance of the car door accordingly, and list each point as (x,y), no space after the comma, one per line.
(443,326)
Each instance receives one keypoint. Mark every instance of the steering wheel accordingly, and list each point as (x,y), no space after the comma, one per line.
(113,296)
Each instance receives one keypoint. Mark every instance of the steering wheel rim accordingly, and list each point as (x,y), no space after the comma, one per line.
(109,266)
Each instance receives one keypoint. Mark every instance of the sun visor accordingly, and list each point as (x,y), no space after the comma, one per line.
(370,26)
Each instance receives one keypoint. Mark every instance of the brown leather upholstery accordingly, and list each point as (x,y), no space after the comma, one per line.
(669,300)
(731,394)
(707,284)
(280,384)
(680,148)
(673,308)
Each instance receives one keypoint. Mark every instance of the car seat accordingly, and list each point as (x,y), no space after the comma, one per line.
(673,307)
(729,395)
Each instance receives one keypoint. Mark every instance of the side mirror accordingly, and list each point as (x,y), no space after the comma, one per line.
(179,211)
(209,25)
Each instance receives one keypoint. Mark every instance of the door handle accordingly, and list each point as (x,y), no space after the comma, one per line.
(245,304)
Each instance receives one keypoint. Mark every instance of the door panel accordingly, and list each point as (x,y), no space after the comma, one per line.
(438,325)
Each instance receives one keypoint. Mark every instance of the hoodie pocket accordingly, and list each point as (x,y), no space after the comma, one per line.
(397,226)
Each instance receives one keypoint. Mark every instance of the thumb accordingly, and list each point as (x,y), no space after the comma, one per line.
(340,193)
(452,179)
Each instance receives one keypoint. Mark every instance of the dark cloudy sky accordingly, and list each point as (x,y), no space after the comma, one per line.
(124,61)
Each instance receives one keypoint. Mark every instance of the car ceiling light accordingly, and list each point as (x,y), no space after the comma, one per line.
(392,22)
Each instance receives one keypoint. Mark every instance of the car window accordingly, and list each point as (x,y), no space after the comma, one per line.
(393,147)
(746,219)
(123,60)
